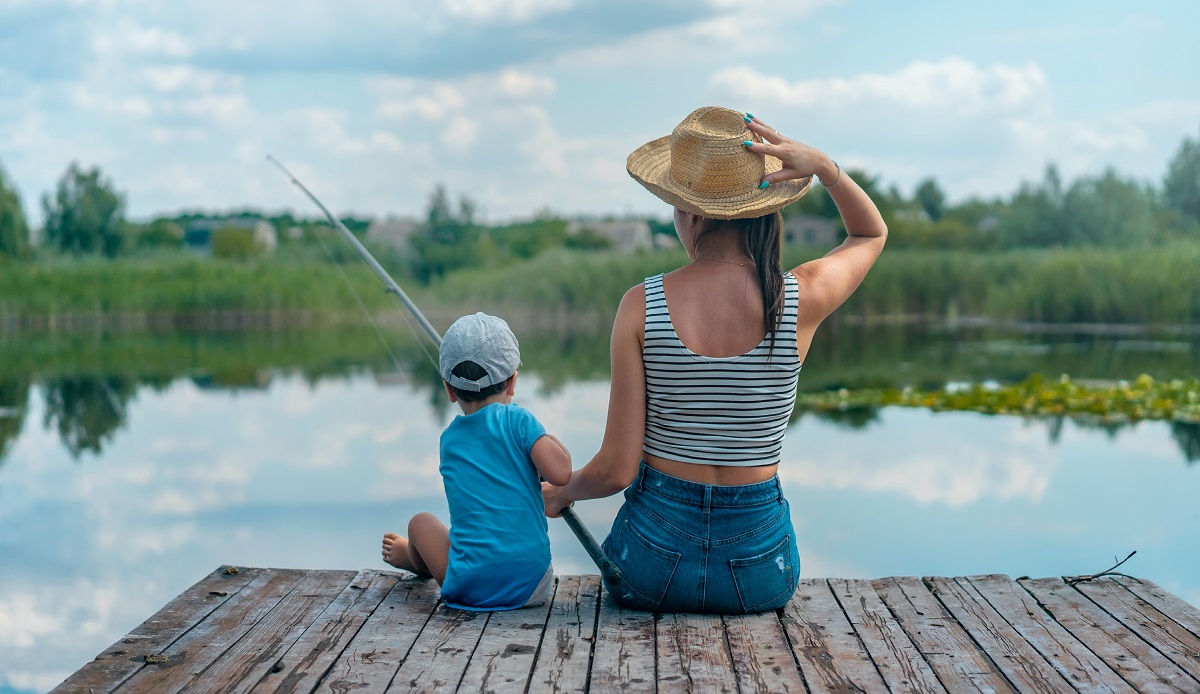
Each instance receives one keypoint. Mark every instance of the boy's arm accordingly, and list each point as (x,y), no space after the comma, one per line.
(552,460)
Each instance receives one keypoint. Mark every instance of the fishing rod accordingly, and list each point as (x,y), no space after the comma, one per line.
(608,569)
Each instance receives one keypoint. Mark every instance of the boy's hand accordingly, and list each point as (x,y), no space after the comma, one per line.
(555,500)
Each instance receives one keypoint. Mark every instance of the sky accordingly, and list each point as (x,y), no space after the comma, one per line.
(533,105)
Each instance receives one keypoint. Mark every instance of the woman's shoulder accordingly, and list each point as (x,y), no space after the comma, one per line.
(637,293)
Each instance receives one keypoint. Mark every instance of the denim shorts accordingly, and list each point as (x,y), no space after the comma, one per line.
(689,547)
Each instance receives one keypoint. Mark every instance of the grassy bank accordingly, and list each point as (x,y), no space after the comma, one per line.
(181,284)
(1153,285)
(1147,285)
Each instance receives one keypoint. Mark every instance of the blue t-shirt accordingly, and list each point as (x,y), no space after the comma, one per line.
(499,549)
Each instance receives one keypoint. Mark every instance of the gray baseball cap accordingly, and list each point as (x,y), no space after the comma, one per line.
(485,340)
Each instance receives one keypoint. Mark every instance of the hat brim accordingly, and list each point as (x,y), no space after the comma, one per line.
(650,165)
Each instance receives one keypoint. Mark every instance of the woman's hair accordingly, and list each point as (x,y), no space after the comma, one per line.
(473,372)
(762,239)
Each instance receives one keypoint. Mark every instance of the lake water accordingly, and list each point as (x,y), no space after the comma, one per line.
(133,466)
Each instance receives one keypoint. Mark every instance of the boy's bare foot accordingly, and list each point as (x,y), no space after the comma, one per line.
(395,552)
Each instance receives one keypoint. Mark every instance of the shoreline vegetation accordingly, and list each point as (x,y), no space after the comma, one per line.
(1119,402)
(1107,288)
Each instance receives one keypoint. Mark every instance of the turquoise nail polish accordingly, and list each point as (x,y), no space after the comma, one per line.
(747,143)
(748,117)
(763,185)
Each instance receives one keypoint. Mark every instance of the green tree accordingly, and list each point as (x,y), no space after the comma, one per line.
(527,239)
(234,243)
(931,199)
(1035,215)
(1108,211)
(161,233)
(86,214)
(1181,188)
(447,240)
(588,239)
(14,232)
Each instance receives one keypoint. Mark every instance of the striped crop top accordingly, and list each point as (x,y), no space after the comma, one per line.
(718,410)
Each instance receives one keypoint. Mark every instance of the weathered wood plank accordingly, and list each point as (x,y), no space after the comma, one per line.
(225,626)
(370,662)
(1183,613)
(305,663)
(1179,645)
(625,649)
(504,657)
(442,652)
(949,650)
(762,658)
(1084,669)
(563,663)
(901,665)
(693,654)
(124,658)
(260,649)
(826,646)
(1020,662)
(1136,662)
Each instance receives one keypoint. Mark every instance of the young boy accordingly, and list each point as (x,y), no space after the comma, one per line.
(495,554)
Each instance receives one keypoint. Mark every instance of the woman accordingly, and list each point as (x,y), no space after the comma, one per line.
(705,361)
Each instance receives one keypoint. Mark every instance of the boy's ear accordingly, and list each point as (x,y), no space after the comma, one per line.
(512,384)
(450,392)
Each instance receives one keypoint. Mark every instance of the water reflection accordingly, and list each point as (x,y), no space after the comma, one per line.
(300,449)
(1187,435)
(86,411)
(14,395)
(88,381)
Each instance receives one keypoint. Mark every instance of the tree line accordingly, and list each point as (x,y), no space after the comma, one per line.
(85,215)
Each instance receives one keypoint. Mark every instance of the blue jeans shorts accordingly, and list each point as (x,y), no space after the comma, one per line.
(689,547)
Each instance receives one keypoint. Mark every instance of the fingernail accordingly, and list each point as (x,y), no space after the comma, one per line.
(748,117)
(763,185)
(748,143)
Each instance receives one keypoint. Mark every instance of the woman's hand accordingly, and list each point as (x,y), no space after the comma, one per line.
(799,160)
(555,500)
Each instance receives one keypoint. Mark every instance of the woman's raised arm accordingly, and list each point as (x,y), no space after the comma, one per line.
(615,465)
(830,280)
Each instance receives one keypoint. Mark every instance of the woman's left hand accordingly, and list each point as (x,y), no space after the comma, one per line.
(799,160)
(555,499)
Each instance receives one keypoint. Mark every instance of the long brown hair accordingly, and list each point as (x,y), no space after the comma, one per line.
(762,240)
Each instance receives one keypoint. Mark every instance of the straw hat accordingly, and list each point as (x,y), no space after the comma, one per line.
(702,167)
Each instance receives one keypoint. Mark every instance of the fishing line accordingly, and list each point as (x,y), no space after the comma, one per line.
(374,324)
(397,294)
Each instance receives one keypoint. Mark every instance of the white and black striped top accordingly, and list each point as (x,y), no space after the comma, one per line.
(718,411)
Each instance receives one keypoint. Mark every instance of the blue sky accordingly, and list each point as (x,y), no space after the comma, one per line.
(532,104)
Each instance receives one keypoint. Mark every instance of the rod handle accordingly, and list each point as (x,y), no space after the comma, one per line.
(608,569)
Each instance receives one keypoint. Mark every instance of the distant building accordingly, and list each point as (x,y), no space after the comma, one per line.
(811,230)
(626,236)
(198,234)
(392,232)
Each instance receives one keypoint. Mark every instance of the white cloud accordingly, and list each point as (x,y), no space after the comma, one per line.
(181,77)
(128,37)
(487,11)
(522,85)
(951,86)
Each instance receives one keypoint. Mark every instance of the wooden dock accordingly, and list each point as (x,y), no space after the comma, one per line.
(243,629)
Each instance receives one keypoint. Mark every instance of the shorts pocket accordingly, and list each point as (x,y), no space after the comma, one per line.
(766,581)
(646,568)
